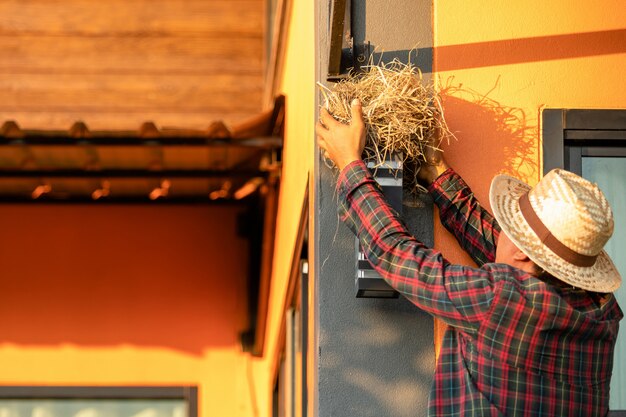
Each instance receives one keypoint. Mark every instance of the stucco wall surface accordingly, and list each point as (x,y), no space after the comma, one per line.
(297,83)
(376,357)
(499,63)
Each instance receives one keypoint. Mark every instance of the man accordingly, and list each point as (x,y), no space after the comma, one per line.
(532,329)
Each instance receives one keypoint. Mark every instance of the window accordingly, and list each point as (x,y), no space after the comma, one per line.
(592,143)
(52,401)
(290,390)
(290,396)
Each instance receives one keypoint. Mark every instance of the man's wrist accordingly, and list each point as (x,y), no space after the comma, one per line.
(439,169)
(345,162)
(432,172)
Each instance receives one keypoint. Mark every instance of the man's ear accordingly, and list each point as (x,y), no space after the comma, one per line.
(520,256)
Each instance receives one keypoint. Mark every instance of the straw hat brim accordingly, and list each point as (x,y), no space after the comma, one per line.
(504,194)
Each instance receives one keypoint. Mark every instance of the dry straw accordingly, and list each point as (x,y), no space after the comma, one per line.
(402,113)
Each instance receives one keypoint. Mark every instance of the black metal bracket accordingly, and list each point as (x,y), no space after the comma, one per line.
(339,18)
(344,55)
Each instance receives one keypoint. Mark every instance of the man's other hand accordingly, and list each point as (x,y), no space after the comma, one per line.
(342,143)
(433,167)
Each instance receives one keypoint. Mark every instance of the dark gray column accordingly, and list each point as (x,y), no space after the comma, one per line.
(374,357)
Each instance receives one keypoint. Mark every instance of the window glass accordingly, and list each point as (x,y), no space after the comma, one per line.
(610,175)
(92,408)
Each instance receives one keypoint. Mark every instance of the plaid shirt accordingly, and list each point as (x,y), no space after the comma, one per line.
(515,345)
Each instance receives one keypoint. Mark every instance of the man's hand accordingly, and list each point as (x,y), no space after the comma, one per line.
(342,143)
(433,167)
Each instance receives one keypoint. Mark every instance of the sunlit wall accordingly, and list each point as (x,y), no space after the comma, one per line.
(297,83)
(499,63)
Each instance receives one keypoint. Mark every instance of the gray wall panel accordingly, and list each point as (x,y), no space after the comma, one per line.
(375,356)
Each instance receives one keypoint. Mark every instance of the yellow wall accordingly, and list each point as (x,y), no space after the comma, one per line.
(298,85)
(499,63)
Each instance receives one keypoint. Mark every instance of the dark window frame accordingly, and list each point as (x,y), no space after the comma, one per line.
(187,393)
(571,134)
(290,393)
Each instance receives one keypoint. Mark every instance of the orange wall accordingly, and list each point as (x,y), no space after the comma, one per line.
(499,63)
(125,295)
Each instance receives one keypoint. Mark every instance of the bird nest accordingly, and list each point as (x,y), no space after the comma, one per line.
(403,114)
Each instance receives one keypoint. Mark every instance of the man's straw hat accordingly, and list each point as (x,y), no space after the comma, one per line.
(561,224)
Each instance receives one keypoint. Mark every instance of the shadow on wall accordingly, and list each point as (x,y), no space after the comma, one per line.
(370,372)
(376,356)
(493,138)
(533,49)
(168,277)
(498,139)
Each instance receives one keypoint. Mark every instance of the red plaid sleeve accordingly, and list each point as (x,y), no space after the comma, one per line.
(459,295)
(474,228)
(541,350)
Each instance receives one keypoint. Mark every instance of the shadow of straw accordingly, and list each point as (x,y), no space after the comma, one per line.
(492,138)
(498,137)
